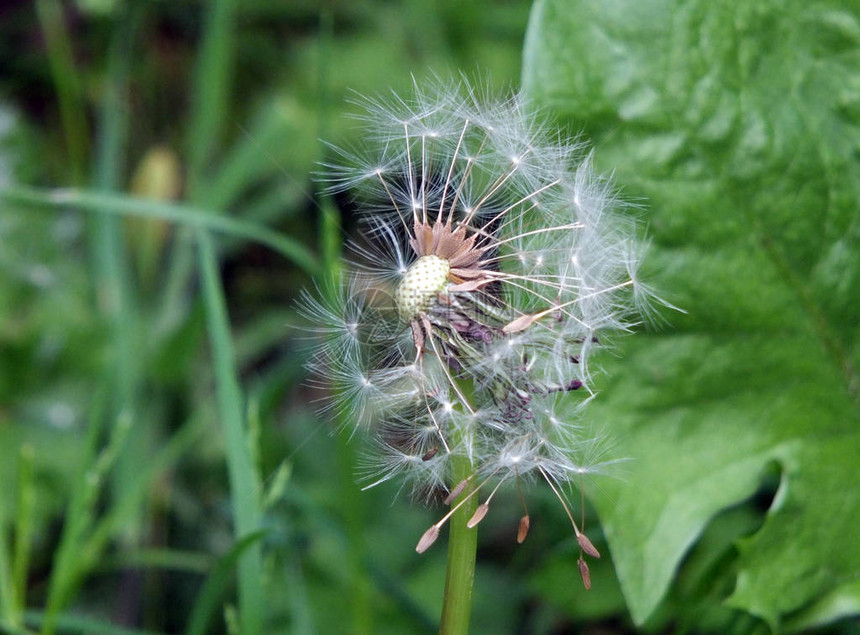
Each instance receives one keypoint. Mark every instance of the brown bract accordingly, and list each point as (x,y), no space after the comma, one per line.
(461,249)
(454,245)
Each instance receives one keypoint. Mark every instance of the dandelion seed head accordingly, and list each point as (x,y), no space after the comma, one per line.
(491,261)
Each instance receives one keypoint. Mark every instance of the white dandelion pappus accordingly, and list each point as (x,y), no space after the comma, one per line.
(491,257)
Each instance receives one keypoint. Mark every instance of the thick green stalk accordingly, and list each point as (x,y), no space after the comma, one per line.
(462,545)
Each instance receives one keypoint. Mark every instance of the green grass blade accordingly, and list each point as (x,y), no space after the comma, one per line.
(13,572)
(7,596)
(210,98)
(211,93)
(160,463)
(301,613)
(330,246)
(166,559)
(246,160)
(74,624)
(113,126)
(213,590)
(67,565)
(23,530)
(115,290)
(105,203)
(244,480)
(68,85)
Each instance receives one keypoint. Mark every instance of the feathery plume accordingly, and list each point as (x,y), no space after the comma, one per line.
(491,262)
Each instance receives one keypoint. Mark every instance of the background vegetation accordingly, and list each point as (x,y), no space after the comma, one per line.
(161,464)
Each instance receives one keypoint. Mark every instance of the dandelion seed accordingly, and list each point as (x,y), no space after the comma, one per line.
(523,529)
(584,573)
(478,516)
(490,257)
(586,546)
(458,489)
(427,539)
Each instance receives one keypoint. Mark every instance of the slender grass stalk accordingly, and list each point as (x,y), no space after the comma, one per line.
(244,480)
(77,624)
(23,532)
(196,562)
(66,566)
(79,546)
(211,92)
(331,240)
(68,86)
(7,596)
(115,291)
(84,536)
(72,561)
(210,97)
(13,570)
(162,461)
(206,605)
(116,204)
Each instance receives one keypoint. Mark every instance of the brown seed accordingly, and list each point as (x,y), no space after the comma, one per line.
(455,492)
(523,529)
(520,324)
(478,516)
(469,285)
(586,546)
(584,573)
(427,539)
(430,454)
(417,335)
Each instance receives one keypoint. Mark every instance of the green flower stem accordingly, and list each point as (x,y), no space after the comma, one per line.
(462,545)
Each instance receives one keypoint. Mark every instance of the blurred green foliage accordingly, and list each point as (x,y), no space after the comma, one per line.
(161,462)
(112,374)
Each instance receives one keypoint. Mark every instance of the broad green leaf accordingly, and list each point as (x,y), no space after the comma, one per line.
(739,124)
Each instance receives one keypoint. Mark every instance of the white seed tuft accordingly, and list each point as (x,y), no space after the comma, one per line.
(490,262)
